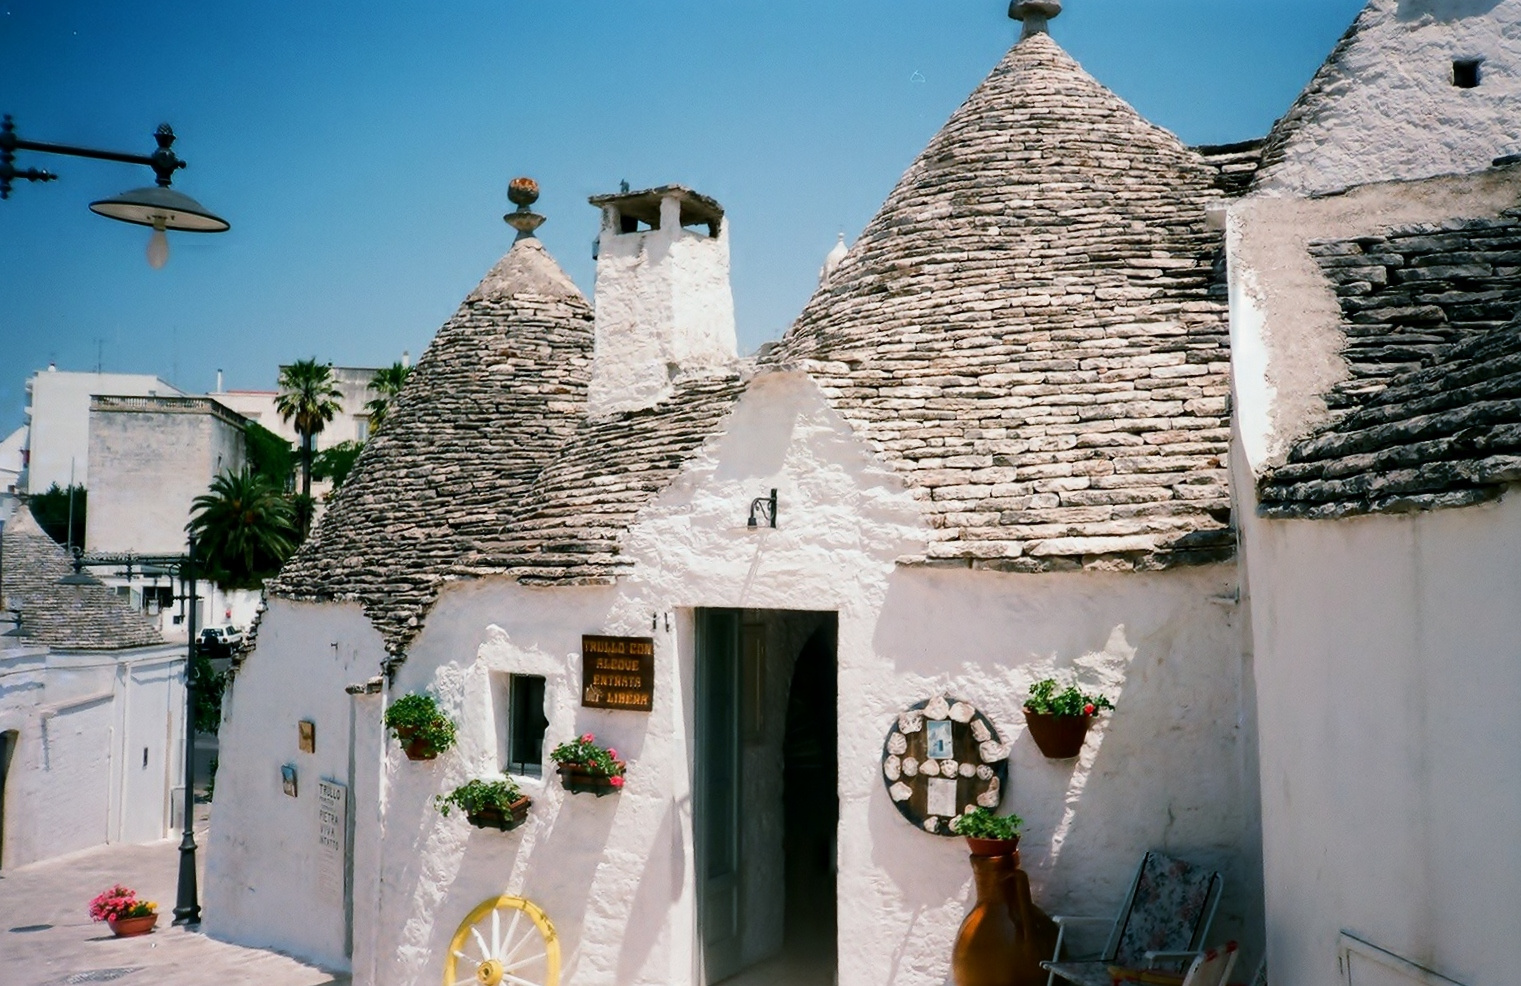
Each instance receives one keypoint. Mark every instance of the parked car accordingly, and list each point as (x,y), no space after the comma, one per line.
(223,641)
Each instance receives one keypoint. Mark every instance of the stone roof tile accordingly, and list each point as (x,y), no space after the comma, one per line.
(499,389)
(1431,415)
(1034,326)
(91,617)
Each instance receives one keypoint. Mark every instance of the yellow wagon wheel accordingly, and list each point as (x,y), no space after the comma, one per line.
(504,940)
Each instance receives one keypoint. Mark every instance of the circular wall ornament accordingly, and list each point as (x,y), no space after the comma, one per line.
(942,758)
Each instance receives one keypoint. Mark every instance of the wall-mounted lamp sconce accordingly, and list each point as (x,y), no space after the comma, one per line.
(766,507)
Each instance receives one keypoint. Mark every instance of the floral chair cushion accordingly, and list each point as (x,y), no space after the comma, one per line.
(1171,897)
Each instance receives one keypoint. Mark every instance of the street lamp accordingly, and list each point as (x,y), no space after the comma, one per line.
(157,206)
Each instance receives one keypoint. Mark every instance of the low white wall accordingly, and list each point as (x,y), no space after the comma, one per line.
(99,747)
(1388,666)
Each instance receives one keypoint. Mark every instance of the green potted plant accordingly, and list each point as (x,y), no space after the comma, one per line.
(988,834)
(493,804)
(418,724)
(1059,720)
(586,768)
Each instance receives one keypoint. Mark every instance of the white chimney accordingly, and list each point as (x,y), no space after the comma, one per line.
(219,381)
(663,305)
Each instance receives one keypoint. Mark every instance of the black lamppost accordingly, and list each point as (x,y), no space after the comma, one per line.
(158,206)
(187,907)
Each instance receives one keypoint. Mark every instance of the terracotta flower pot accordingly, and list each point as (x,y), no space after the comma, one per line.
(495,818)
(414,746)
(127,927)
(993,847)
(1059,737)
(579,779)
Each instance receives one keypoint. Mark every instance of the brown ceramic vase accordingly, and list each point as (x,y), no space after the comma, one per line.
(1004,936)
(1058,737)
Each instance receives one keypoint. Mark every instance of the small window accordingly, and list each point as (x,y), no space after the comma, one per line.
(1465,72)
(525,725)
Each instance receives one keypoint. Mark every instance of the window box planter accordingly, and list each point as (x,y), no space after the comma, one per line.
(504,820)
(580,779)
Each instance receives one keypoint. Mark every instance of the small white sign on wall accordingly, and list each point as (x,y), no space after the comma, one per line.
(332,839)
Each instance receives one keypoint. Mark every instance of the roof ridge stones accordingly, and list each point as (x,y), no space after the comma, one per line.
(85,617)
(498,390)
(1033,331)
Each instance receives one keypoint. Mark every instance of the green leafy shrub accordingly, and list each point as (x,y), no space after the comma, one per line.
(980,823)
(417,718)
(1045,700)
(476,796)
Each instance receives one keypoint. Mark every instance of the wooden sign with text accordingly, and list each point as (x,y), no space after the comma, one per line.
(618,673)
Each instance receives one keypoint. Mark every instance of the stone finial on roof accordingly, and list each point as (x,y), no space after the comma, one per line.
(832,260)
(1034,13)
(523,192)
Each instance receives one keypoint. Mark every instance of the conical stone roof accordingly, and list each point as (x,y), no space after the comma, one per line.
(1033,330)
(86,617)
(502,385)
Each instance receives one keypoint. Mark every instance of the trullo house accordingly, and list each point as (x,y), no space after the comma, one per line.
(993,448)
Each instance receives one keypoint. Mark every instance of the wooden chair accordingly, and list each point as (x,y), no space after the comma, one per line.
(1162,923)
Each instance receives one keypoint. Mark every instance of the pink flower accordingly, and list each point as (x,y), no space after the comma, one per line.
(588,738)
(612,753)
(615,780)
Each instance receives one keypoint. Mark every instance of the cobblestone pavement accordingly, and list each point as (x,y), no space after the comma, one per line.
(48,939)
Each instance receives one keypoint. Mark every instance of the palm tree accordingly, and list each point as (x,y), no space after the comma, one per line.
(246,529)
(309,395)
(387,383)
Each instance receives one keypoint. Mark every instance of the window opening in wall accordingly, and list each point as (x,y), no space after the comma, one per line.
(525,725)
(1465,72)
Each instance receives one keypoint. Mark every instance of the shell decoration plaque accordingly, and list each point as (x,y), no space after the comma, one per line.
(941,758)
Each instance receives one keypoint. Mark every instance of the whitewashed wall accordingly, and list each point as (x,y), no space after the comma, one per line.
(264,883)
(79,777)
(1388,665)
(1395,112)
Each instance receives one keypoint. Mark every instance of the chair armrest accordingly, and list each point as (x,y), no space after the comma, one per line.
(1152,958)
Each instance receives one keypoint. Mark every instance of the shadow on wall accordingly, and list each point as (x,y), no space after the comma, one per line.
(651,905)
(1162,772)
(1444,11)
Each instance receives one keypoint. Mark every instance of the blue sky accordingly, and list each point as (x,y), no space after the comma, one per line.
(361,152)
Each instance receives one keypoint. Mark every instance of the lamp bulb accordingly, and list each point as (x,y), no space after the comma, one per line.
(158,249)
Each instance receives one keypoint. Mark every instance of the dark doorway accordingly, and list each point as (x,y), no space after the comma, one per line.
(766,802)
(811,801)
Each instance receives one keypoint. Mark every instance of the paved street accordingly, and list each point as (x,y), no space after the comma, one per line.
(48,939)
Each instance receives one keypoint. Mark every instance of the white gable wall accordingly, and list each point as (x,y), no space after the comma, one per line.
(615,873)
(1393,111)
